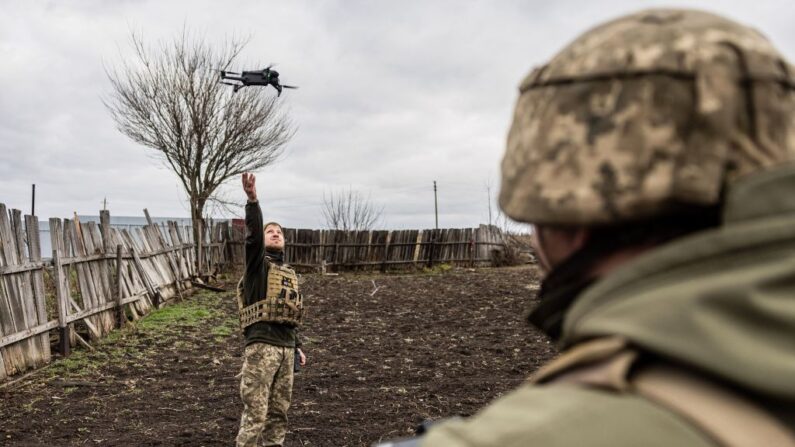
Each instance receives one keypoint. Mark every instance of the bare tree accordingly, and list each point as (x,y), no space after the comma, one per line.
(349,210)
(169,99)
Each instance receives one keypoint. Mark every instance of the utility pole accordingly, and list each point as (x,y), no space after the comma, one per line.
(488,192)
(33,201)
(435,205)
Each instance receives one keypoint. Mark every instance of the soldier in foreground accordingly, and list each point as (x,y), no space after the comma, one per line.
(271,309)
(653,156)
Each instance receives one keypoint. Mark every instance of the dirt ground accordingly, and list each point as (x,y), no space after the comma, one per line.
(423,346)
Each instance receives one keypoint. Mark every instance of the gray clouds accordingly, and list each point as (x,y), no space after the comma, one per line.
(393,96)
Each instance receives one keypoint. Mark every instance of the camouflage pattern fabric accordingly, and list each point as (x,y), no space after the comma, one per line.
(266,388)
(654,109)
(716,305)
(282,302)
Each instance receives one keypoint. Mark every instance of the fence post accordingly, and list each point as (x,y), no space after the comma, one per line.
(386,252)
(472,251)
(417,248)
(321,248)
(120,318)
(336,256)
(227,236)
(369,251)
(430,255)
(63,327)
(148,218)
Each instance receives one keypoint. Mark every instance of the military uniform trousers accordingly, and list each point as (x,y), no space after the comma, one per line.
(266,387)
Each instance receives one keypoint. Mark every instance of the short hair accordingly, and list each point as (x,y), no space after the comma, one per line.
(273,223)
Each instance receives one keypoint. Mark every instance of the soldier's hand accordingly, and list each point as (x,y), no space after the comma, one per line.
(249,186)
(302,357)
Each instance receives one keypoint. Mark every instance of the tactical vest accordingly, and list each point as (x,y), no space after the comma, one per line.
(726,417)
(281,304)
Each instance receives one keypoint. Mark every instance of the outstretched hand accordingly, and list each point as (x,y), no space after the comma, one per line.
(249,186)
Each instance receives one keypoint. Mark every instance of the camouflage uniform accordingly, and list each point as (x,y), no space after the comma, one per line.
(266,387)
(690,343)
(267,376)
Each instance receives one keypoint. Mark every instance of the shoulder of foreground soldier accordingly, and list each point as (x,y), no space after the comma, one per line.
(567,416)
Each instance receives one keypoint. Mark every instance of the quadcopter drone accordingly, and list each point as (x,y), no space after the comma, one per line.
(265,77)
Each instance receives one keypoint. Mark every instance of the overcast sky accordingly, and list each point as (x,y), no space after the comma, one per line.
(394,95)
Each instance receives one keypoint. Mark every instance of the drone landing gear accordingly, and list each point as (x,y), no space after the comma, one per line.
(235,87)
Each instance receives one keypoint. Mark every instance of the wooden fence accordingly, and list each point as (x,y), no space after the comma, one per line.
(381,250)
(98,278)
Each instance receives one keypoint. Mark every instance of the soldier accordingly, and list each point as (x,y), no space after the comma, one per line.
(270,311)
(653,156)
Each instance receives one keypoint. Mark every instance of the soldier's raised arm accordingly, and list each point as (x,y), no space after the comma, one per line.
(255,244)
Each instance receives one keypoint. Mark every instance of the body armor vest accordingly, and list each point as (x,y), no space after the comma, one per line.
(281,304)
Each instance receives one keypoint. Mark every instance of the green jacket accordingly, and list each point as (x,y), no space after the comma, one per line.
(720,303)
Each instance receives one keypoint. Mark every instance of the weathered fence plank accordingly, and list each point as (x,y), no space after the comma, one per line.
(33,353)
(85,281)
(37,278)
(62,295)
(16,291)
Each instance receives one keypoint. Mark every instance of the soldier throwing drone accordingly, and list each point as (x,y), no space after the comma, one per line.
(265,77)
(271,309)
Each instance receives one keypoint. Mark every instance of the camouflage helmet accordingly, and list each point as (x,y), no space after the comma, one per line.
(646,112)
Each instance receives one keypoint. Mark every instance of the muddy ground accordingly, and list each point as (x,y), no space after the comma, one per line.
(423,346)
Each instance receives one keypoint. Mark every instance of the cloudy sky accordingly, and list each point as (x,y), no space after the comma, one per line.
(394,95)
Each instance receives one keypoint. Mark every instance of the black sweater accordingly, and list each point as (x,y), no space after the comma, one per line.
(255,283)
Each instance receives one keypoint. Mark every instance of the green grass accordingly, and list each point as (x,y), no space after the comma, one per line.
(167,322)
(437,269)
(187,314)
(80,363)
(228,327)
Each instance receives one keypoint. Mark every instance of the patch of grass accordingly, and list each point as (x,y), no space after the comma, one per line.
(222,331)
(116,354)
(78,364)
(121,346)
(437,269)
(187,314)
(225,329)
(113,337)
